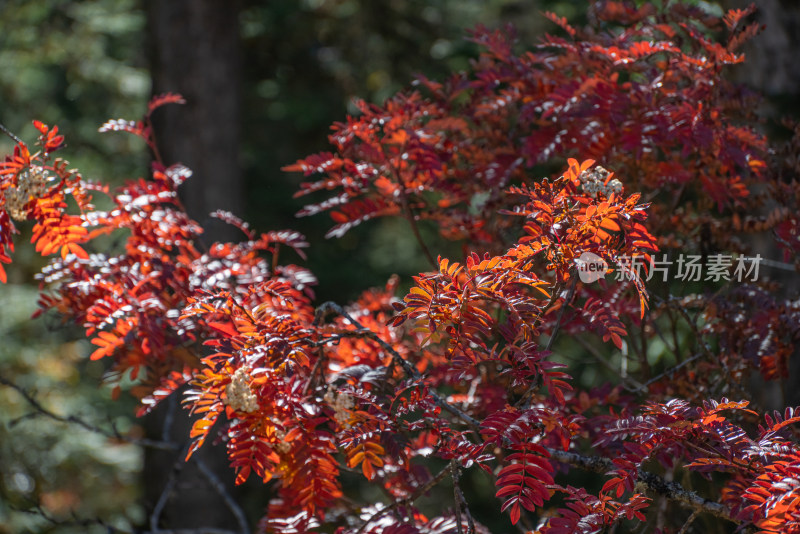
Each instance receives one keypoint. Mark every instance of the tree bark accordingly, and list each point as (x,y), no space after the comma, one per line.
(194,51)
(771,66)
(770,69)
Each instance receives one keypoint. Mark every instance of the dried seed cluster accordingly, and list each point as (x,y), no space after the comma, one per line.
(341,404)
(281,446)
(31,183)
(239,395)
(596,180)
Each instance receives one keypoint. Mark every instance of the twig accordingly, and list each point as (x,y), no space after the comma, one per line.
(455,474)
(44,411)
(417,494)
(412,220)
(222,491)
(685,528)
(661,335)
(527,397)
(461,501)
(666,373)
(177,467)
(671,490)
(318,365)
(8,133)
(169,417)
(632,383)
(570,293)
(409,215)
(114,434)
(38,511)
(327,307)
(165,445)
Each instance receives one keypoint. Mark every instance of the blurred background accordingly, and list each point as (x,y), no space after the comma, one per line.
(263,81)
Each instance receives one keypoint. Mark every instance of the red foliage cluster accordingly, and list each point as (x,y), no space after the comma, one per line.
(466,368)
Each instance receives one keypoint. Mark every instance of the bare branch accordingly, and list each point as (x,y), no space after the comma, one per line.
(417,494)
(38,511)
(671,490)
(685,528)
(40,410)
(222,491)
(177,467)
(455,473)
(213,480)
(10,134)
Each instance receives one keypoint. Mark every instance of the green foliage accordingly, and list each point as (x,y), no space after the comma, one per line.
(76,63)
(64,467)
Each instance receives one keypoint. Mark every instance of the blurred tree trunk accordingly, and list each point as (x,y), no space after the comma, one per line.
(771,66)
(194,51)
(770,69)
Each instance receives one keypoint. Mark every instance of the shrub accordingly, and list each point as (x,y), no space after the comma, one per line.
(645,148)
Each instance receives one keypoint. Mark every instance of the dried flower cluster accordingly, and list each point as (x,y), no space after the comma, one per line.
(599,180)
(342,405)
(239,396)
(31,184)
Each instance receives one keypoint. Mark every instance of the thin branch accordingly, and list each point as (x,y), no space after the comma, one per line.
(318,368)
(36,405)
(685,528)
(669,372)
(416,495)
(113,434)
(411,371)
(527,397)
(409,214)
(455,474)
(654,323)
(461,501)
(631,382)
(570,293)
(214,481)
(177,467)
(38,511)
(10,134)
(671,490)
(222,491)
(412,220)
(169,418)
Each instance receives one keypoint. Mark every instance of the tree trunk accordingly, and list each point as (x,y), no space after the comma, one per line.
(770,69)
(194,51)
(771,66)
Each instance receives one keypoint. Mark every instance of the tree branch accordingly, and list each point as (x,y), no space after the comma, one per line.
(166,445)
(671,490)
(219,487)
(38,511)
(411,371)
(177,467)
(417,494)
(10,134)
(113,434)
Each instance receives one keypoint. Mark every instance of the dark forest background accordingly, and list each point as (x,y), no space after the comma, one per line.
(263,83)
